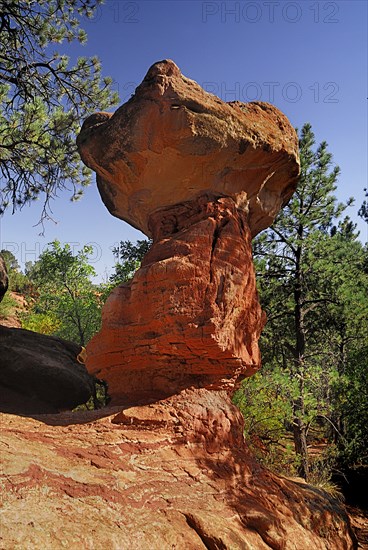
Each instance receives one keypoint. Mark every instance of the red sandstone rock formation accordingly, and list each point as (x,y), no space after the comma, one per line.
(173,475)
(191,315)
(200,177)
(4,280)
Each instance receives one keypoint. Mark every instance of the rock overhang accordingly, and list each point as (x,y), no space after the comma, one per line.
(173,141)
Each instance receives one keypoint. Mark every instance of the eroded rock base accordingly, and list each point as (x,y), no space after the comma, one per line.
(173,475)
(191,315)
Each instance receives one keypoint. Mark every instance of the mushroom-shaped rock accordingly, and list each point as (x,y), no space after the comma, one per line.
(201,177)
(173,140)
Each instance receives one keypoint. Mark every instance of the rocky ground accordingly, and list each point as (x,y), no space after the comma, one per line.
(174,474)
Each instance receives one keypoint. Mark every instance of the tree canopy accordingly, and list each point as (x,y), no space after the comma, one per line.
(313,284)
(363,210)
(68,303)
(43,99)
(128,258)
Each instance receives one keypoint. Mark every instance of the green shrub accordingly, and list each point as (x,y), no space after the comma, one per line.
(43,323)
(7,306)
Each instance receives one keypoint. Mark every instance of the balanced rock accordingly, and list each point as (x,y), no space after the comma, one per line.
(40,374)
(201,177)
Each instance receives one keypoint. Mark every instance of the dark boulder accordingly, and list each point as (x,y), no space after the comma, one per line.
(40,374)
(3,278)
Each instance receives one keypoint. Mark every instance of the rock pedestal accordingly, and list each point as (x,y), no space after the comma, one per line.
(175,474)
(201,177)
(191,315)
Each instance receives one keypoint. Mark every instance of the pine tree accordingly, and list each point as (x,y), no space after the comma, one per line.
(43,99)
(128,258)
(363,210)
(289,286)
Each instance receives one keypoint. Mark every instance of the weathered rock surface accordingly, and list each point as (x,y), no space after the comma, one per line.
(191,315)
(174,475)
(173,140)
(40,374)
(201,177)
(4,281)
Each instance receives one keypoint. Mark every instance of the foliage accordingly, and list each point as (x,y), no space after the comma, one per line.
(363,210)
(44,323)
(18,282)
(128,258)
(321,471)
(68,302)
(343,331)
(7,306)
(10,260)
(312,277)
(100,399)
(265,404)
(43,99)
(264,400)
(351,393)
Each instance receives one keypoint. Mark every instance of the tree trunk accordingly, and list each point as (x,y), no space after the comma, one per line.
(300,436)
(337,417)
(299,427)
(81,332)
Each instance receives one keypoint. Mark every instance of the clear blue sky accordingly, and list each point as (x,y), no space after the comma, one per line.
(308,58)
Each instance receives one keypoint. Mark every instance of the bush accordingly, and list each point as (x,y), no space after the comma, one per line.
(7,306)
(43,323)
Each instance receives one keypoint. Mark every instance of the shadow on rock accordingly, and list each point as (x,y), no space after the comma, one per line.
(40,374)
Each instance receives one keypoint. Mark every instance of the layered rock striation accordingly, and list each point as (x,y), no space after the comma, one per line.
(173,475)
(201,177)
(191,315)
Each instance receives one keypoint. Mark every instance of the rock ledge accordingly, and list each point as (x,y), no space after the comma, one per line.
(176,474)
